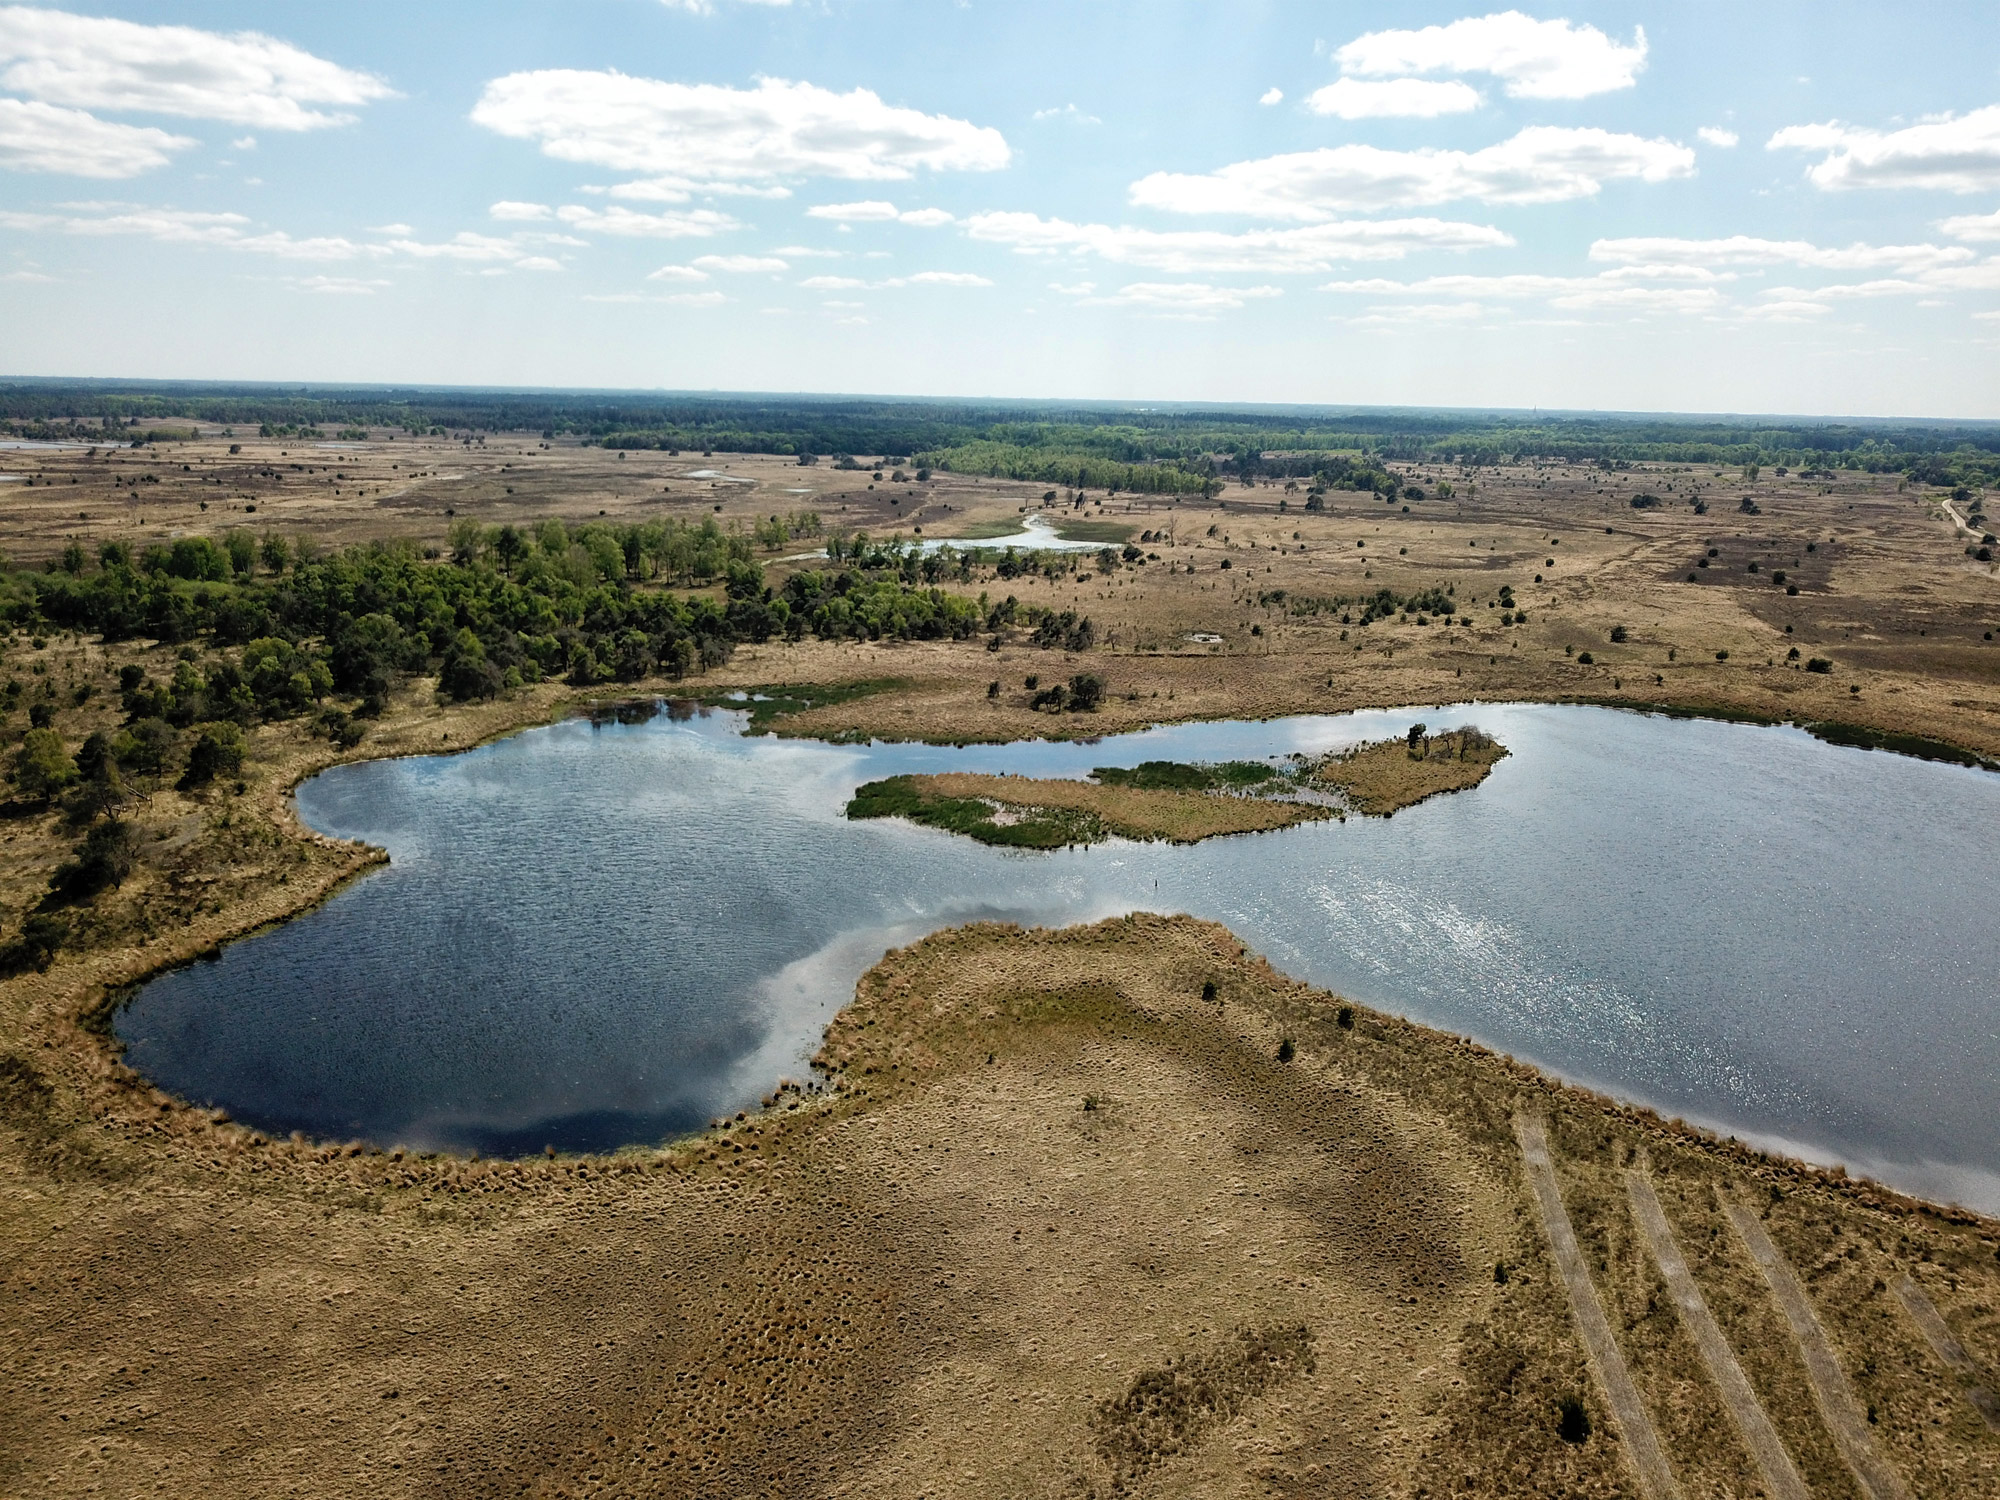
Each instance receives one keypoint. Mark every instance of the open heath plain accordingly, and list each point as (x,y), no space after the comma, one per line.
(1119,1209)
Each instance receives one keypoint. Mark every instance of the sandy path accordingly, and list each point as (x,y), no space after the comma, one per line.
(1781,1478)
(1655,1478)
(1837,1402)
(1949,1349)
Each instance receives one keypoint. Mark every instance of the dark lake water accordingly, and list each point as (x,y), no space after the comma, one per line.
(592,935)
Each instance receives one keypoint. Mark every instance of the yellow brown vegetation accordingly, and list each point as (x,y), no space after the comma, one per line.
(1385,776)
(1060,1226)
(1132,812)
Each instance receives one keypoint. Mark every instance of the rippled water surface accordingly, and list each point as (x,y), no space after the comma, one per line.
(590,935)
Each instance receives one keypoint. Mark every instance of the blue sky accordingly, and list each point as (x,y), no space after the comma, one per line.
(1697,206)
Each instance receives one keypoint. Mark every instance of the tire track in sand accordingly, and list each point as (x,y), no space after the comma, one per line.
(1949,1349)
(1837,1401)
(1656,1479)
(1781,1477)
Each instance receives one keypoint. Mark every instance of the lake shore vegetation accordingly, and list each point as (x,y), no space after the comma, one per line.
(196,623)
(1053,813)
(1383,777)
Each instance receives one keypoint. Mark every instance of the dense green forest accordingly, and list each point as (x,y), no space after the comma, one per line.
(508,606)
(1157,449)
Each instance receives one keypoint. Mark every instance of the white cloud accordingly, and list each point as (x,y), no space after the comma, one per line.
(677,273)
(1626,289)
(1067,112)
(696,223)
(681,189)
(183,227)
(1787,312)
(868,211)
(1534,59)
(1951,154)
(712,134)
(1394,98)
(805,252)
(1262,251)
(1979,228)
(920,278)
(339,286)
(1748,250)
(875,211)
(671,299)
(1080,289)
(1716,136)
(537,263)
(1423,312)
(707,7)
(1541,164)
(1271,96)
(44,138)
(464,246)
(524,213)
(740,264)
(244,143)
(244,78)
(1187,299)
(1890,286)
(402,231)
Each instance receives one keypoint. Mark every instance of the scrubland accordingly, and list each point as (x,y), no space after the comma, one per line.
(1055,1219)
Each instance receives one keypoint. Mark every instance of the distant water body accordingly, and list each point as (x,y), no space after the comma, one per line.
(597,934)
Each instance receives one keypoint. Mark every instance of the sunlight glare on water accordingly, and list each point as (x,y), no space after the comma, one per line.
(597,934)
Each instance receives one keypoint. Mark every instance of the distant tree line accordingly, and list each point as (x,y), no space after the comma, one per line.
(1160,449)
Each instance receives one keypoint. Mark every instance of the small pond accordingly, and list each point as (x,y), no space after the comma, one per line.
(593,934)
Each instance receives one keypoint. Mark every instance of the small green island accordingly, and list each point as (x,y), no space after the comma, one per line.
(1183,803)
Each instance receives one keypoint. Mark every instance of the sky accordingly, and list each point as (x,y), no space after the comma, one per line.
(1697,206)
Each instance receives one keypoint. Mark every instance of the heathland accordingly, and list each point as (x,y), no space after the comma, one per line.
(1108,1211)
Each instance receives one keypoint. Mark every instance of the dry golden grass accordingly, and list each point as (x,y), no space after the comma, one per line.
(1388,775)
(1061,1227)
(1131,812)
(864,1293)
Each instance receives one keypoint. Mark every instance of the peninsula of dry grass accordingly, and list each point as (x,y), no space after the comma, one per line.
(1062,1224)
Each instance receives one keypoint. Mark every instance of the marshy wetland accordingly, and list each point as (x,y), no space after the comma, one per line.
(600,933)
(1156,1205)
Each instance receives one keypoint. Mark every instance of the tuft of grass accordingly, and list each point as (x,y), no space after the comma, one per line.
(1167,1411)
(1920,747)
(1033,828)
(1178,776)
(767,705)
(1093,531)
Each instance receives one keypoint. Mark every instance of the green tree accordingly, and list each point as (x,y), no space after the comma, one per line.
(217,751)
(42,768)
(466,673)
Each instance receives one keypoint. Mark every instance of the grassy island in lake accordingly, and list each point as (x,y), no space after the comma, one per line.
(1388,775)
(1026,813)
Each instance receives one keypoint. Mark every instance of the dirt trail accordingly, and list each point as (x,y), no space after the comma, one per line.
(1781,1478)
(1949,1349)
(1837,1401)
(1655,1477)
